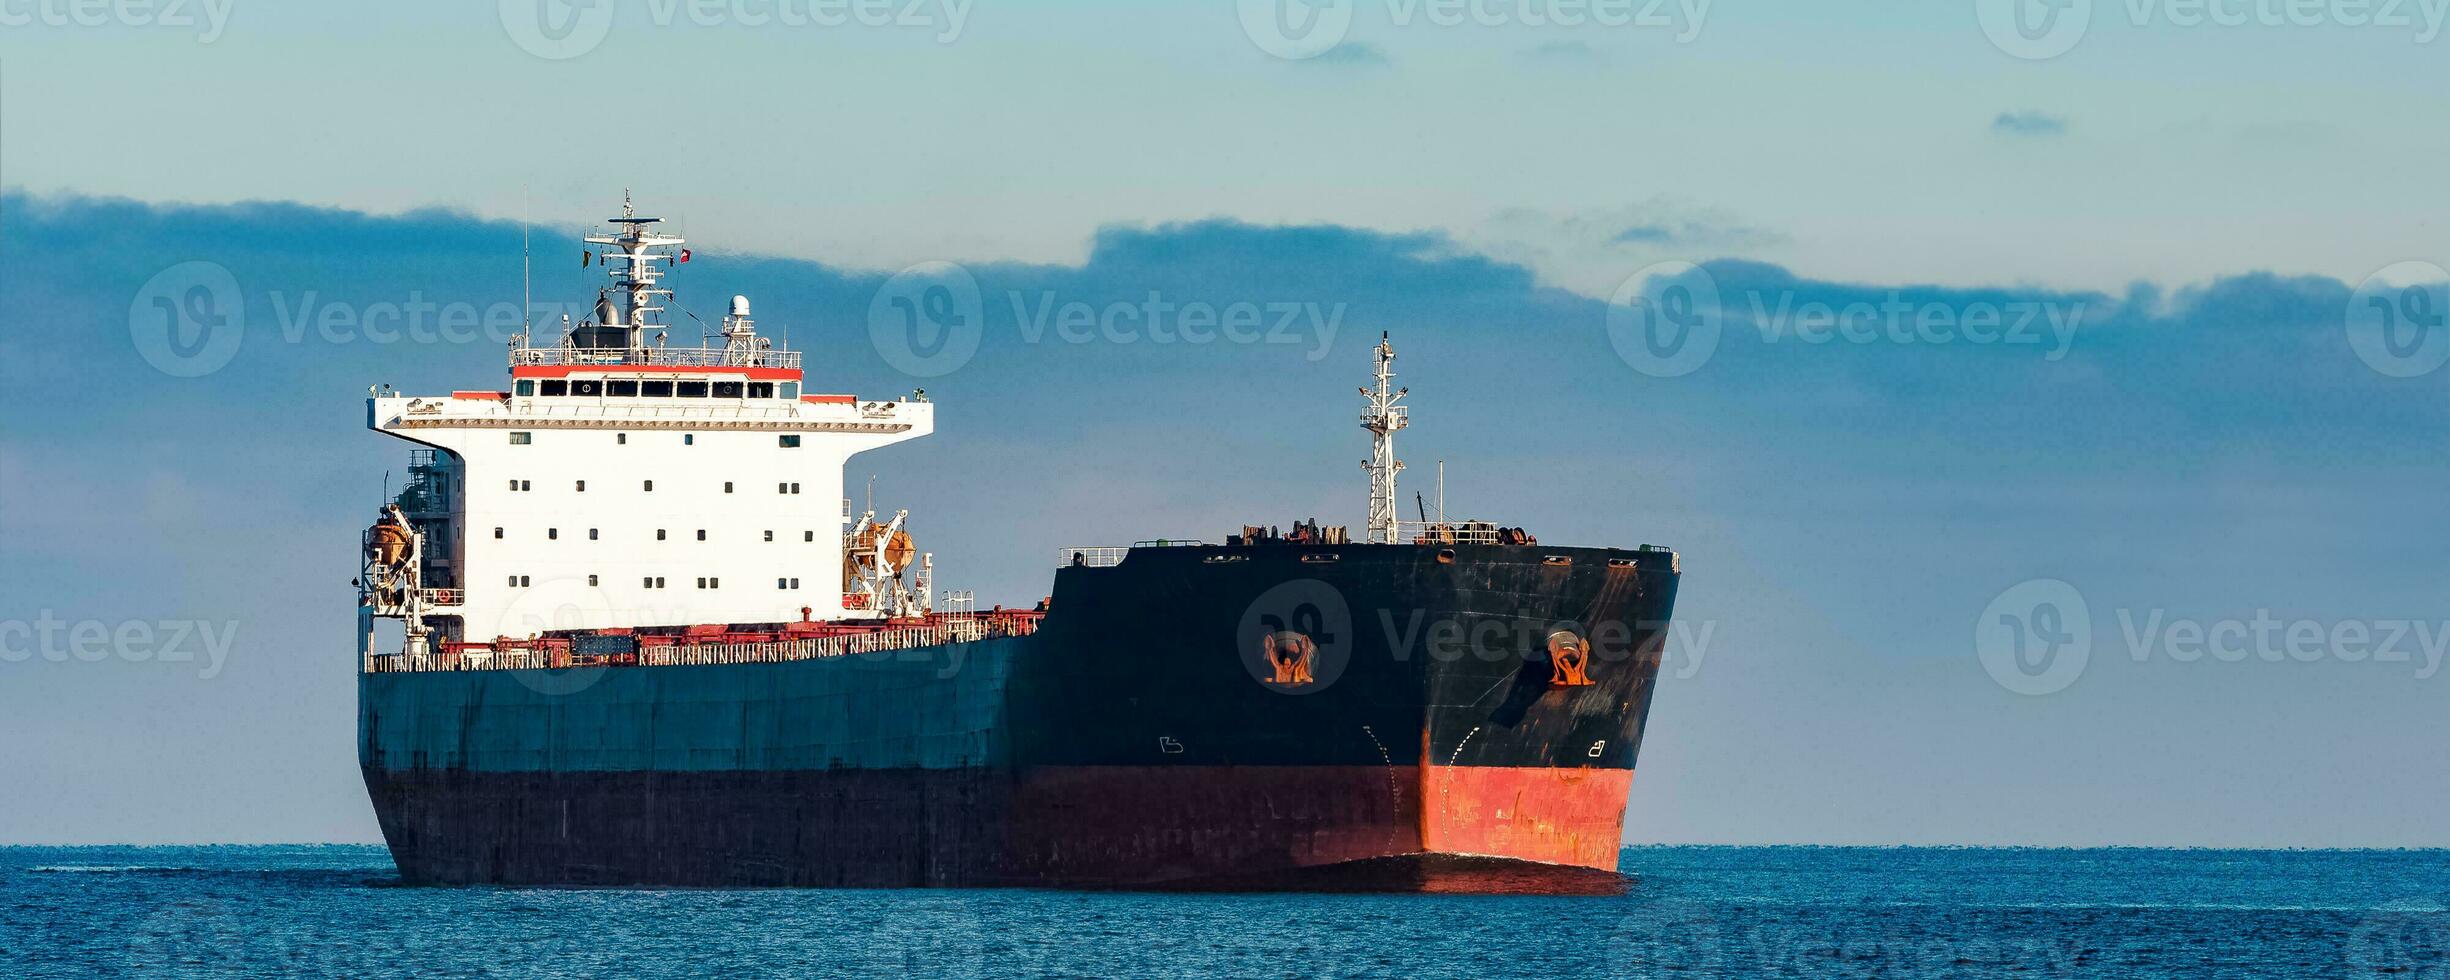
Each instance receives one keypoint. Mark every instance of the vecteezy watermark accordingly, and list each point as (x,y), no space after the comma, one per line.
(1158,320)
(2037,637)
(1667,320)
(207,18)
(189,319)
(1297,30)
(1664,320)
(927,320)
(1681,645)
(169,641)
(2396,319)
(412,320)
(561,29)
(2410,940)
(1689,939)
(2036,30)
(1299,636)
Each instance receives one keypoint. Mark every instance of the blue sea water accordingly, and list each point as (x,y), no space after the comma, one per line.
(1690,913)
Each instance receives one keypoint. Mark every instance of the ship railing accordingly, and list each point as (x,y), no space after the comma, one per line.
(652,357)
(442,597)
(954,629)
(1093,557)
(1445,532)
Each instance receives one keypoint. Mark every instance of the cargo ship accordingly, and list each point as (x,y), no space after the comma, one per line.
(622,627)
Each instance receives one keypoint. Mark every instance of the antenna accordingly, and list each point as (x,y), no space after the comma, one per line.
(1441,491)
(527,298)
(871,493)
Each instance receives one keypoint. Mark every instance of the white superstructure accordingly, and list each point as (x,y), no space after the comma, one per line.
(622,482)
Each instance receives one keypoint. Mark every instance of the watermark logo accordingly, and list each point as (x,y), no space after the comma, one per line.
(558,30)
(2035,30)
(2411,943)
(1667,320)
(1159,320)
(207,18)
(927,320)
(558,603)
(413,320)
(2038,30)
(1296,30)
(1664,320)
(189,319)
(1297,637)
(1671,939)
(204,643)
(2398,320)
(2036,637)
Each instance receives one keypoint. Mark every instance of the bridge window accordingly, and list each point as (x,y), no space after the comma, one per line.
(526,389)
(761,389)
(728,389)
(587,387)
(621,389)
(692,389)
(791,390)
(789,442)
(655,389)
(522,438)
(556,389)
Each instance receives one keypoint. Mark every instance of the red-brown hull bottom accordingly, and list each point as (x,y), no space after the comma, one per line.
(1289,827)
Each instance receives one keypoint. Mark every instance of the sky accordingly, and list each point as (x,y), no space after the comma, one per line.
(1926,342)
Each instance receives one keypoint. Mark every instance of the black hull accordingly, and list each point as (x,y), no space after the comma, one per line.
(1141,738)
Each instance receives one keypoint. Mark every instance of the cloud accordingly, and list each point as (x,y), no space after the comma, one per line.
(1351,54)
(1591,251)
(2029,123)
(2149,453)
(1564,53)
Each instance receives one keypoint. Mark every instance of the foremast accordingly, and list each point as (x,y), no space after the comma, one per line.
(1382,417)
